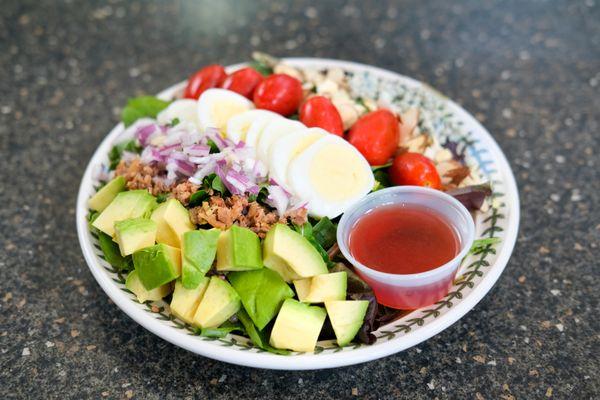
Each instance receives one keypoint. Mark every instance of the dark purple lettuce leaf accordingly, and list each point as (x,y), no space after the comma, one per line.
(473,196)
(365,334)
(458,151)
(355,283)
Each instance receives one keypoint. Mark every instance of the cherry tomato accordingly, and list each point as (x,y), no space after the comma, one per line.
(376,136)
(279,93)
(319,111)
(243,81)
(208,77)
(414,169)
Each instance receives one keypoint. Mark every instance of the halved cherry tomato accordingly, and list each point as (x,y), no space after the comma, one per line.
(208,77)
(319,111)
(376,136)
(243,81)
(414,169)
(279,93)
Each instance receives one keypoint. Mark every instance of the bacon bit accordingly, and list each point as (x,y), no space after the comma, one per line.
(184,191)
(224,212)
(141,176)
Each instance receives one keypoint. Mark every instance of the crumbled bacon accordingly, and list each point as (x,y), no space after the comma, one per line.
(141,176)
(183,191)
(218,212)
(223,212)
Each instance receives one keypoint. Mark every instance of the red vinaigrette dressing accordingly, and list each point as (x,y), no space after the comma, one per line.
(404,239)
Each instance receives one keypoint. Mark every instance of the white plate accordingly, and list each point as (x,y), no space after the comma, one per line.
(476,277)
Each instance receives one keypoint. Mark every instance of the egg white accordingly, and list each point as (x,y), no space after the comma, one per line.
(257,127)
(239,125)
(185,110)
(285,149)
(330,175)
(275,129)
(217,106)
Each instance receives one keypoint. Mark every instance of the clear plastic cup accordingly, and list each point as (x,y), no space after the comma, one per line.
(410,291)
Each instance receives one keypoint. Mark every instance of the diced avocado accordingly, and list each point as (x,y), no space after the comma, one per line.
(355,283)
(238,250)
(219,303)
(280,266)
(327,287)
(258,337)
(134,284)
(346,317)
(129,204)
(157,265)
(285,247)
(262,293)
(134,234)
(185,301)
(302,287)
(112,254)
(173,220)
(198,250)
(106,194)
(297,326)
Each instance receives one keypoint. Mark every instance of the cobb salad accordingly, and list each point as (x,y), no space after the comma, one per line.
(224,201)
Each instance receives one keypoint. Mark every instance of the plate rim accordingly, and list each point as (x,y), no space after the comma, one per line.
(308,361)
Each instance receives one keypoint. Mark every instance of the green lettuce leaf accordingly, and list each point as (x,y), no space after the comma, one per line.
(140,107)
(259,338)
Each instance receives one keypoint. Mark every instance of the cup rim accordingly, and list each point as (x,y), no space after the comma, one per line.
(344,232)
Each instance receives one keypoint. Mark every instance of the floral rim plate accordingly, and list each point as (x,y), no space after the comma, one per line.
(478,273)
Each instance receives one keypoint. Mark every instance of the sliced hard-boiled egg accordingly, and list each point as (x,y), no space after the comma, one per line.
(275,129)
(285,149)
(184,110)
(217,106)
(330,175)
(257,128)
(239,125)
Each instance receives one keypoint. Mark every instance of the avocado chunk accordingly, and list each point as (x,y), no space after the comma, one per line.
(134,285)
(297,326)
(106,194)
(322,288)
(157,265)
(290,254)
(134,234)
(219,303)
(238,250)
(125,205)
(185,301)
(198,250)
(173,220)
(346,317)
(302,287)
(262,292)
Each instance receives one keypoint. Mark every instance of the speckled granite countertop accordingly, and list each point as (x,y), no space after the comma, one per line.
(530,71)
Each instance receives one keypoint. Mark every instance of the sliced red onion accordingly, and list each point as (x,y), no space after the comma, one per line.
(143,133)
(204,171)
(166,150)
(128,156)
(274,182)
(185,168)
(197,150)
(214,135)
(150,155)
(278,198)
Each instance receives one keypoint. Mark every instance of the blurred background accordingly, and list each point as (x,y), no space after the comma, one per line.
(528,70)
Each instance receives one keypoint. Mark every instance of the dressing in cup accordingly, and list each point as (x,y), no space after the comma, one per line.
(407,243)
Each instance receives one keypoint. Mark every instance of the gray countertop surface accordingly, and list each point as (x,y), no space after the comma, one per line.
(528,70)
